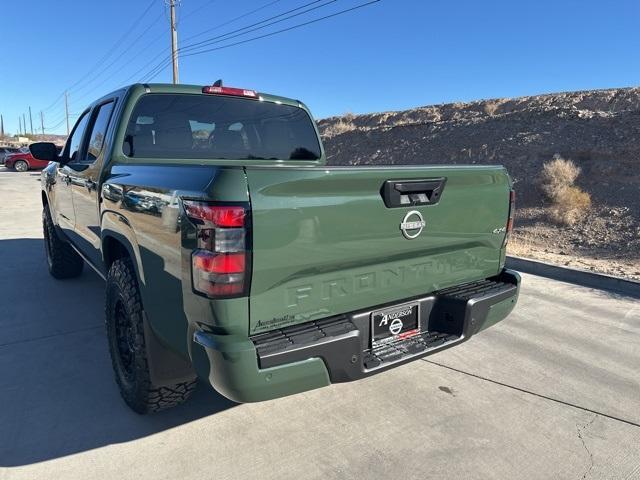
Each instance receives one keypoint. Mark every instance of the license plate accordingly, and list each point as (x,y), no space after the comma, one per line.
(395,323)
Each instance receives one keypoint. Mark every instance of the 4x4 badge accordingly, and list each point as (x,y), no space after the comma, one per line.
(412,224)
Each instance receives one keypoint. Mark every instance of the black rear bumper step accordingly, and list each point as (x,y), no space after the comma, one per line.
(290,338)
(450,316)
(395,351)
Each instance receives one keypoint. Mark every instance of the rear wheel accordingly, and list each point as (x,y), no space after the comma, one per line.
(63,261)
(125,332)
(21,166)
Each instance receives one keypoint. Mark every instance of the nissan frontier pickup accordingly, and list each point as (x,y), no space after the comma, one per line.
(233,253)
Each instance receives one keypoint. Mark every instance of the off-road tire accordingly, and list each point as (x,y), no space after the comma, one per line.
(125,332)
(63,261)
(21,166)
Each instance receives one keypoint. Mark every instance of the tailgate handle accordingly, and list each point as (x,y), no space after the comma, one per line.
(407,193)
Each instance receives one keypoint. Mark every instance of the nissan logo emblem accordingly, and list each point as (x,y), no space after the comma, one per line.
(412,224)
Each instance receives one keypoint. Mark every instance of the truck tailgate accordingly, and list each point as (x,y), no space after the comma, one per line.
(325,243)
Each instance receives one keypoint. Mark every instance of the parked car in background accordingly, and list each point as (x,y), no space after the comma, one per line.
(5,151)
(23,161)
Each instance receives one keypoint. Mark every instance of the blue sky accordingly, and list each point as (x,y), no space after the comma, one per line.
(391,55)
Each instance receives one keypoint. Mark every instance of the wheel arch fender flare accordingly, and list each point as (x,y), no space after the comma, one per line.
(115,226)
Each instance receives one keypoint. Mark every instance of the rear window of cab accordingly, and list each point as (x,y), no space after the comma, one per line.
(192,126)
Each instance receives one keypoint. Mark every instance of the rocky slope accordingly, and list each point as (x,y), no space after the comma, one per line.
(599,130)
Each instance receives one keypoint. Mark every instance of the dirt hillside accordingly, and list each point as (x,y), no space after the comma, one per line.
(598,130)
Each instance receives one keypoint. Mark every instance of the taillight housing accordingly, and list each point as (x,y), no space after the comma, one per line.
(232,91)
(220,265)
(512,209)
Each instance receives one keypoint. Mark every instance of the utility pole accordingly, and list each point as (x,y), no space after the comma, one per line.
(24,124)
(19,125)
(30,121)
(66,110)
(42,121)
(1,126)
(174,41)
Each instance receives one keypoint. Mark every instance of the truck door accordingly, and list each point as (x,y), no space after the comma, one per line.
(62,198)
(84,184)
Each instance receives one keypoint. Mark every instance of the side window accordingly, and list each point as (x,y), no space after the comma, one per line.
(75,140)
(99,131)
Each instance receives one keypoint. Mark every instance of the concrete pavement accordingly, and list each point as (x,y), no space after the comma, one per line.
(552,392)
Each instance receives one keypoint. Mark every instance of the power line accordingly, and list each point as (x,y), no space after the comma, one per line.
(187,15)
(248,29)
(56,125)
(210,40)
(57,118)
(227,36)
(99,75)
(362,5)
(54,102)
(105,56)
(147,45)
(115,46)
(239,17)
(144,67)
(270,34)
(162,52)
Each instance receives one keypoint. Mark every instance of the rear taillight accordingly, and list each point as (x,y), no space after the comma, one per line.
(512,208)
(221,263)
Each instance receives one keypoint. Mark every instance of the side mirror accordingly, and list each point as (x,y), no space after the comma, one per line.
(46,151)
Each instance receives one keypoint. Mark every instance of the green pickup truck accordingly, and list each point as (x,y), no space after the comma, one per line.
(232,253)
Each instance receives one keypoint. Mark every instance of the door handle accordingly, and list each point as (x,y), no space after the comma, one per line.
(412,192)
(90,184)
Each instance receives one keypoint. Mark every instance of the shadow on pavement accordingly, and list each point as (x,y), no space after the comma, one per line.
(57,390)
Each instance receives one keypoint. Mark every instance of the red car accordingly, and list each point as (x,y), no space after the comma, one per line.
(21,162)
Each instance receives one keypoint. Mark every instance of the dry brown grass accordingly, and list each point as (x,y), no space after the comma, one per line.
(341,126)
(557,174)
(349,117)
(491,106)
(519,246)
(568,202)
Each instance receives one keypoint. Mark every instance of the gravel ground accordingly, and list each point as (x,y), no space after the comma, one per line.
(606,240)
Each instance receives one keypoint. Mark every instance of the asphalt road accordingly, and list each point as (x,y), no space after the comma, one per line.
(551,392)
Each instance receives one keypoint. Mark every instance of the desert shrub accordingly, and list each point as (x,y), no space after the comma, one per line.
(341,126)
(557,175)
(491,106)
(349,117)
(568,202)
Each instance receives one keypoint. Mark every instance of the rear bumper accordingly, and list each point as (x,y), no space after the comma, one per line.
(318,353)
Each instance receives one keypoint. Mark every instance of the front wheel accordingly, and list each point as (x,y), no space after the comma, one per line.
(127,346)
(21,166)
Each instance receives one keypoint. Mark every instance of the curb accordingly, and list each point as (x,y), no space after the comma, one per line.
(578,277)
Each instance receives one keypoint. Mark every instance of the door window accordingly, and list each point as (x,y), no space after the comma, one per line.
(75,140)
(99,131)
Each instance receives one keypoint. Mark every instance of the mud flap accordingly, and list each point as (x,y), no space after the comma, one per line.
(165,366)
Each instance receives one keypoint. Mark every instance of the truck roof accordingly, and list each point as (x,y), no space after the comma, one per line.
(197,89)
